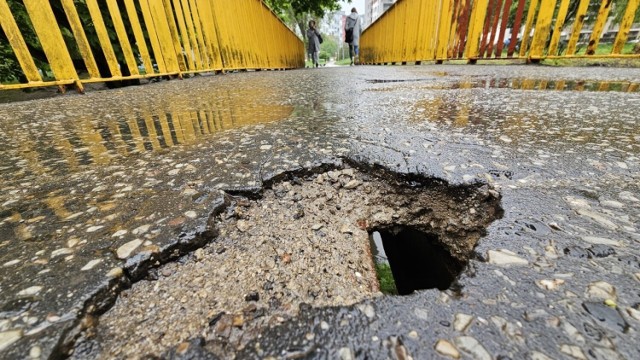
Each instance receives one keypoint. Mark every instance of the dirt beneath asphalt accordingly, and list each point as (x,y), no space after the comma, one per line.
(303,243)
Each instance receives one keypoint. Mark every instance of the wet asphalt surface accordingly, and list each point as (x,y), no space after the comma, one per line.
(98,188)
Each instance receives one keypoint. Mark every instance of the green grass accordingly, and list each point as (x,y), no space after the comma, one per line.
(627,63)
(605,49)
(385,277)
(343,62)
(308,63)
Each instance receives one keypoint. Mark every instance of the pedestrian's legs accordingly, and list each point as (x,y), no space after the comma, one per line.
(351,53)
(356,51)
(315,58)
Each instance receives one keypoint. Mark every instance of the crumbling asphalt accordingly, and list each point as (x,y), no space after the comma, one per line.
(100,188)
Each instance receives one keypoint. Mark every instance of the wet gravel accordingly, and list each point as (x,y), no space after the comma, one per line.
(95,185)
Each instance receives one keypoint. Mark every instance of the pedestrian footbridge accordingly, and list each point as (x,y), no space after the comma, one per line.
(66,42)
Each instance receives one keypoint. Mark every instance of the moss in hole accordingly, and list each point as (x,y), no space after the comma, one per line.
(387,284)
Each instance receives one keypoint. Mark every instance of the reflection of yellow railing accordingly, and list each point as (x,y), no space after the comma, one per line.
(422,30)
(128,131)
(152,38)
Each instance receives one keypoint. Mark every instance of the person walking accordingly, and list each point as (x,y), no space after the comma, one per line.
(313,48)
(352,30)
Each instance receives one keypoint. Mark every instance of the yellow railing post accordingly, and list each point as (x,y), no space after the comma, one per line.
(51,40)
(577,27)
(543,26)
(625,26)
(81,38)
(531,13)
(16,40)
(118,24)
(601,20)
(557,31)
(445,14)
(103,37)
(478,14)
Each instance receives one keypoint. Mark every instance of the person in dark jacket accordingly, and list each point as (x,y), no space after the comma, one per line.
(313,48)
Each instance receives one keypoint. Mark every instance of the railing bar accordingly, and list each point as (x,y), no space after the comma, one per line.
(464,26)
(577,26)
(531,15)
(169,15)
(542,29)
(103,37)
(188,20)
(51,39)
(165,38)
(503,27)
(81,38)
(184,35)
(17,43)
(121,33)
(557,31)
(453,38)
(494,29)
(625,26)
(516,28)
(153,36)
(601,20)
(207,56)
(141,42)
(485,29)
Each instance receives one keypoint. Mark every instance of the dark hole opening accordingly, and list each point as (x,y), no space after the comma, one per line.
(416,259)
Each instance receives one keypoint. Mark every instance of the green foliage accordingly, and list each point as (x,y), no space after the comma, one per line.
(297,13)
(316,8)
(385,277)
(328,48)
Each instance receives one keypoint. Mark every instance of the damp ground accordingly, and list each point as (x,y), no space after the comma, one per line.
(303,243)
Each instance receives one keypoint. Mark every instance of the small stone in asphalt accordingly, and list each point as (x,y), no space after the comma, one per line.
(345,353)
(445,348)
(471,346)
(505,257)
(9,337)
(601,290)
(125,250)
(606,315)
(462,322)
(573,351)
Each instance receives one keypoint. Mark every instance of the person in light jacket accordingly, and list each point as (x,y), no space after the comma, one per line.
(353,29)
(313,49)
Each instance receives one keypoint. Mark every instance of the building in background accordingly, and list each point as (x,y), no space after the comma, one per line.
(333,23)
(374,8)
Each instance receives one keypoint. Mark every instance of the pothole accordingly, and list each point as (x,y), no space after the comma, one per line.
(304,242)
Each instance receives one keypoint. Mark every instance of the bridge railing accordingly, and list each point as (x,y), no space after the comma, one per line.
(422,30)
(61,42)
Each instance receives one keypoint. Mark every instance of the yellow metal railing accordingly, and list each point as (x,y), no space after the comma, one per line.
(135,39)
(423,30)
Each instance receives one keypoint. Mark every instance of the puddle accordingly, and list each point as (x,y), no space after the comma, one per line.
(415,259)
(62,145)
(541,84)
(304,241)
